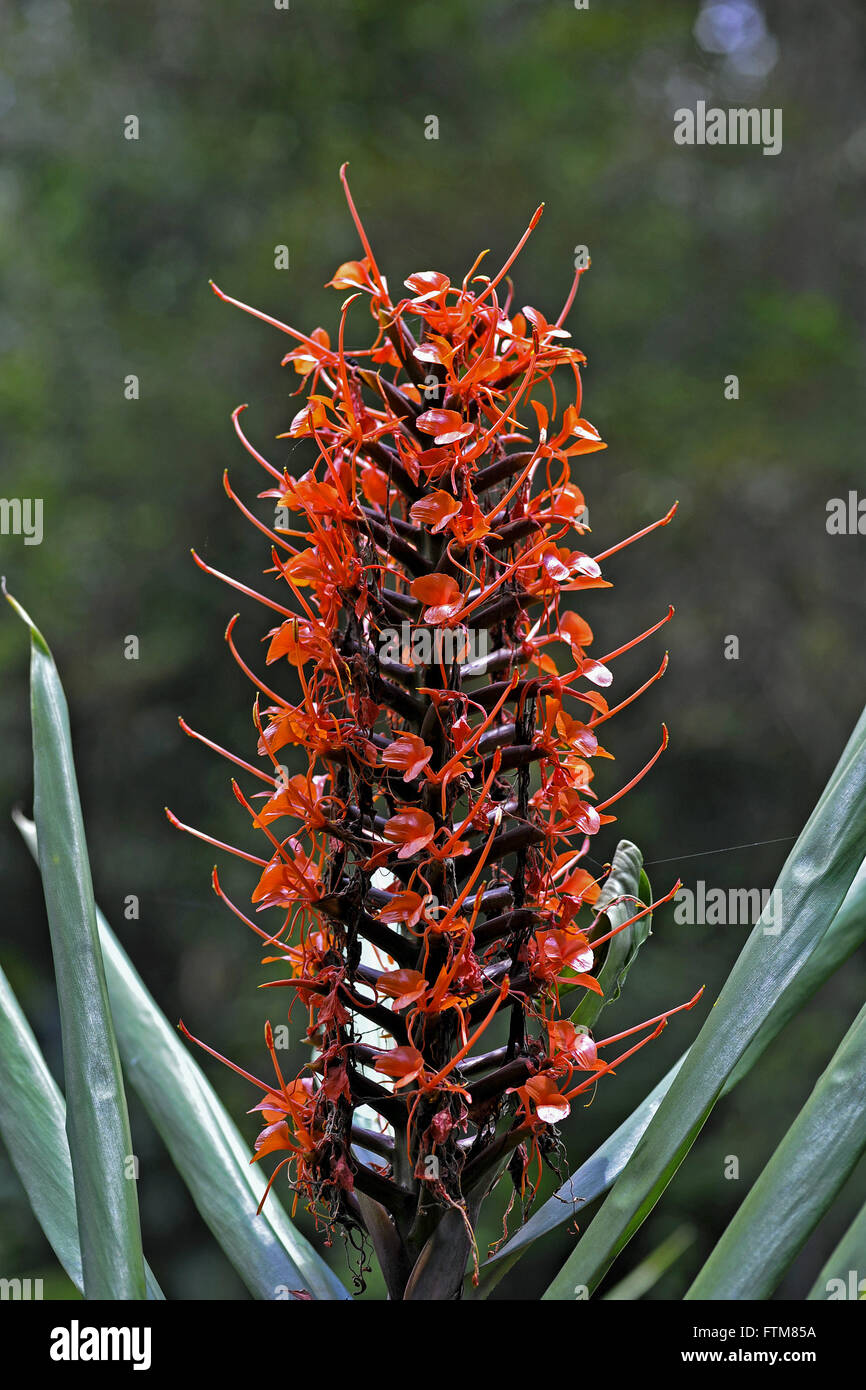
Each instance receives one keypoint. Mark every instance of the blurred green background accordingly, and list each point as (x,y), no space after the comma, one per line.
(706,262)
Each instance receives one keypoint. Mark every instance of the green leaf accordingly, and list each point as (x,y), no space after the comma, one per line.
(205,1145)
(847,932)
(798,1185)
(626,880)
(770,975)
(592,1178)
(647,1274)
(270,1255)
(846,1265)
(33,1127)
(97,1122)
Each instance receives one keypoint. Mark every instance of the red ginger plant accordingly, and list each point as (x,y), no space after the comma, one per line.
(426,863)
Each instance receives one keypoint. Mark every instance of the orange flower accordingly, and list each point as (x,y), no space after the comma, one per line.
(410,753)
(441,593)
(434,510)
(411,830)
(404,907)
(404,1064)
(447,426)
(542,1097)
(403,986)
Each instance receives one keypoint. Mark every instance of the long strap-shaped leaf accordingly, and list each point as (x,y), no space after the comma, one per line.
(813,883)
(269,1254)
(33,1128)
(647,1274)
(844,1274)
(97,1122)
(799,1183)
(846,933)
(598,1174)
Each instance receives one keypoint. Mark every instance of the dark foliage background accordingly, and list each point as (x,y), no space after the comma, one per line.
(706,262)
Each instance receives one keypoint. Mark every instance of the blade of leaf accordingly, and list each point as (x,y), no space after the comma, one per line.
(33,1128)
(623,881)
(207,1149)
(846,933)
(97,1122)
(814,881)
(846,1265)
(647,1274)
(798,1185)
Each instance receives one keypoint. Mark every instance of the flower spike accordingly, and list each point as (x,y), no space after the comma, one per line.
(427,780)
